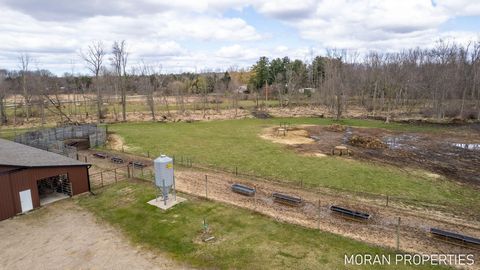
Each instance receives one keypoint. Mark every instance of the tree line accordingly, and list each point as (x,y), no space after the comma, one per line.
(441,81)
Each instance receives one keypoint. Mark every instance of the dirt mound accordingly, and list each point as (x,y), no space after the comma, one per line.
(336,128)
(293,136)
(366,142)
(261,114)
(116,142)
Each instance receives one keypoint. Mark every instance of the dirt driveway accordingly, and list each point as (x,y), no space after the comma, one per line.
(62,235)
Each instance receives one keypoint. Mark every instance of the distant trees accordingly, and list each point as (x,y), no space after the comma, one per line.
(3,96)
(94,59)
(24,62)
(442,81)
(261,73)
(119,63)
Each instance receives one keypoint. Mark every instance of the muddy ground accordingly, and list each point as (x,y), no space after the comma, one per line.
(453,154)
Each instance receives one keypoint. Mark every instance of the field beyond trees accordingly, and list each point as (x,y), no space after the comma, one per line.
(236,143)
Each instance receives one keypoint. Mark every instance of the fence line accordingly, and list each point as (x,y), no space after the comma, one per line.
(188,162)
(52,139)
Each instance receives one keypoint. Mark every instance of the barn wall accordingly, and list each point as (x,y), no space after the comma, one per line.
(4,168)
(6,202)
(27,179)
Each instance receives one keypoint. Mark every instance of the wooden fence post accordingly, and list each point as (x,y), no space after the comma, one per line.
(206,186)
(255,198)
(115,175)
(318,218)
(398,234)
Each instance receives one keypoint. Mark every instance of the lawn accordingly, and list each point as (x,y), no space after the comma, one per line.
(244,240)
(235,143)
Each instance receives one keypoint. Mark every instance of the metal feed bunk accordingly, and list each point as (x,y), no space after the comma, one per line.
(287,199)
(244,190)
(137,164)
(456,238)
(117,160)
(350,213)
(100,155)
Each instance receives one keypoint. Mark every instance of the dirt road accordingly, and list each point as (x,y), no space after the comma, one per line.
(64,236)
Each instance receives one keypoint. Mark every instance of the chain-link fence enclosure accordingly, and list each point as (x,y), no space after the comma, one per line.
(53,139)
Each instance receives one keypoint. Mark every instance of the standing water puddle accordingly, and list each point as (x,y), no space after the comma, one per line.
(468,146)
(399,142)
(347,135)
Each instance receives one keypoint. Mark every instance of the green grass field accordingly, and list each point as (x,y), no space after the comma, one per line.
(245,240)
(230,143)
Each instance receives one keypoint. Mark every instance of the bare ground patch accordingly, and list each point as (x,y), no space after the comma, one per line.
(63,235)
(454,155)
(293,136)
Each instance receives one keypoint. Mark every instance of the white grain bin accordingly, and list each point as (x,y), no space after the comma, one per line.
(164,174)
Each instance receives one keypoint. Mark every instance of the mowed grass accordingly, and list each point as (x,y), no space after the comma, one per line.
(244,239)
(235,143)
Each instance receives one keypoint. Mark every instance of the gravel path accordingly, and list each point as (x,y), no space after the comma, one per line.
(62,235)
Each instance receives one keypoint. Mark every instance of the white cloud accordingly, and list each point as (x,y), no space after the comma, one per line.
(151,35)
(372,24)
(185,35)
(460,7)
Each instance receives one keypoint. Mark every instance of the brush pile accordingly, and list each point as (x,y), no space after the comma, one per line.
(366,142)
(336,128)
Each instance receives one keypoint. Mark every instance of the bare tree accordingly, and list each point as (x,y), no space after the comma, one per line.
(119,63)
(3,96)
(94,57)
(151,80)
(25,60)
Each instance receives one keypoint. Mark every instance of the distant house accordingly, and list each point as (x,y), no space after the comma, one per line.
(242,89)
(307,91)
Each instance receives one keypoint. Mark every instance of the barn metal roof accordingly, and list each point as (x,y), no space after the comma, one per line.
(16,154)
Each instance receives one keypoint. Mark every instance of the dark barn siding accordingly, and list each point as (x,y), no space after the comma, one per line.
(4,168)
(17,181)
(6,201)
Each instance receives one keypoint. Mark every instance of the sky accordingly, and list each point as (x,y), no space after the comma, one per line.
(209,35)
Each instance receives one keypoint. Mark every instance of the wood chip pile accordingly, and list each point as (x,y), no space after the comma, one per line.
(367,142)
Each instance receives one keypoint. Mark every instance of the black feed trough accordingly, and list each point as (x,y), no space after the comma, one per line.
(350,213)
(137,164)
(455,236)
(100,155)
(242,189)
(117,160)
(287,199)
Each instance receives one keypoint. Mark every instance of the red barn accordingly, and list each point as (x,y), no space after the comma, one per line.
(31,177)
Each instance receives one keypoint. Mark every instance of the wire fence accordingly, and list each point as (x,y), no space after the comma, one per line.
(108,177)
(53,139)
(380,199)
